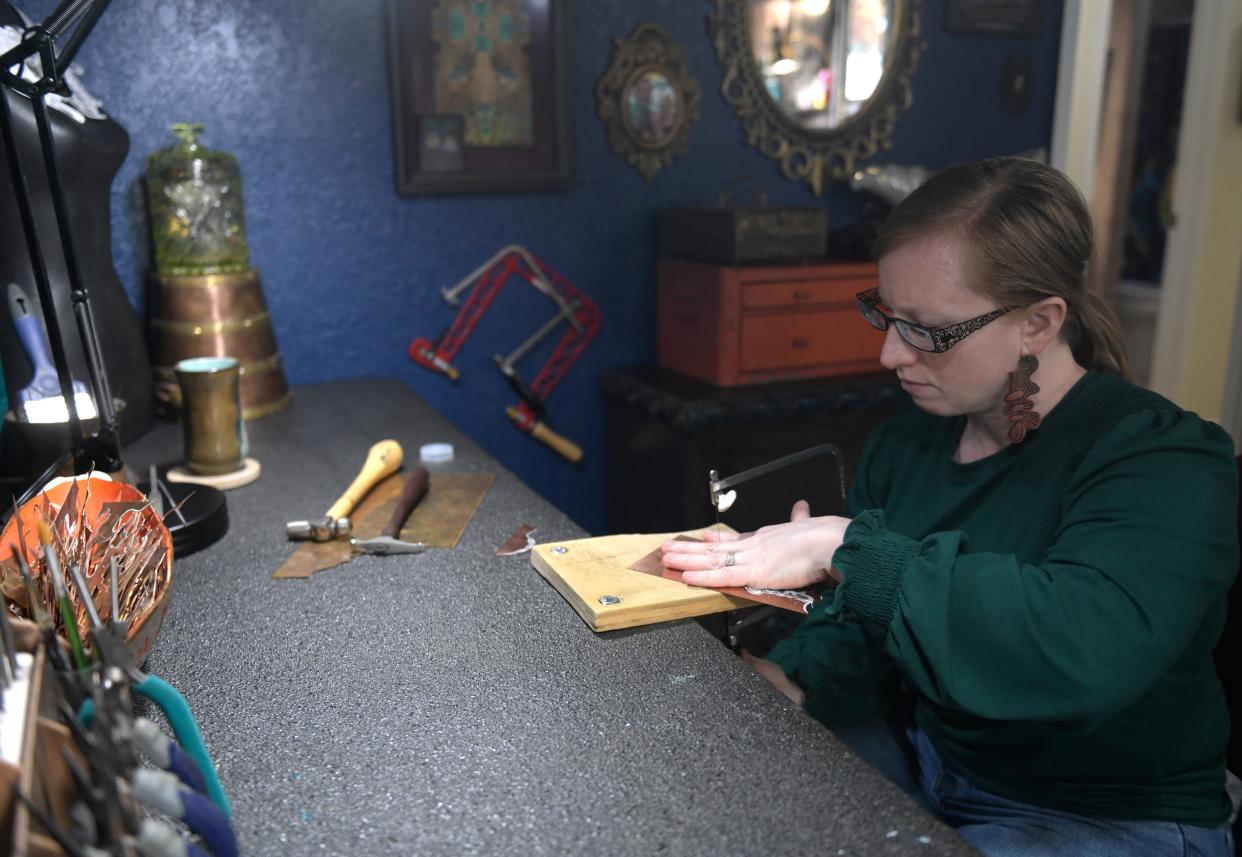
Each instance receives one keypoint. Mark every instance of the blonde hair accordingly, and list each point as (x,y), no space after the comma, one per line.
(1032,237)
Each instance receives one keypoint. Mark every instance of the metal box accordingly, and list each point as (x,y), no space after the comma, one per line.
(734,235)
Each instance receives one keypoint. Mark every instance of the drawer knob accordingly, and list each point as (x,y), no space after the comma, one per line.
(801,342)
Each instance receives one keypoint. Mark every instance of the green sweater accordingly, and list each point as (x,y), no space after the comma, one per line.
(1053,606)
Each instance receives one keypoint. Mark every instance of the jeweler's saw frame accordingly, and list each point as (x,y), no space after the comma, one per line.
(577,310)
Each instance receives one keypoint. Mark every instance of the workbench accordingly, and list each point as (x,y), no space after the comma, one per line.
(453,703)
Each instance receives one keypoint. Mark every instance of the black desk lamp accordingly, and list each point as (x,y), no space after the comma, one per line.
(69,24)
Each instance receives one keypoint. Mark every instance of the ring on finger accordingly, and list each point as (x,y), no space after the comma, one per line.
(730,559)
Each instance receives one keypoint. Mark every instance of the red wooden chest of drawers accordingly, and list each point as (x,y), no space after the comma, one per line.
(748,325)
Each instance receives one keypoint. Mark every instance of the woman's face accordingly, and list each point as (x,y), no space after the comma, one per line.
(926,280)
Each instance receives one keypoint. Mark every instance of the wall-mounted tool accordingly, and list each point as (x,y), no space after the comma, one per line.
(383,459)
(574,308)
(530,413)
(387,542)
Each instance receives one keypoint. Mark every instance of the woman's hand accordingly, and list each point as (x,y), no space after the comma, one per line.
(775,676)
(784,556)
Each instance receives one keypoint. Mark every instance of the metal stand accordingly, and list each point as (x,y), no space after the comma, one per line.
(71,22)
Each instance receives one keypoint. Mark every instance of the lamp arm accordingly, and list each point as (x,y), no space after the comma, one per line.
(101,450)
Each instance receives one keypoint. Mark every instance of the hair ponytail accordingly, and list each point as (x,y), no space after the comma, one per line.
(1094,336)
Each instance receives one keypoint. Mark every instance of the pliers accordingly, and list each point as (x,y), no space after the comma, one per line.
(183,791)
(109,642)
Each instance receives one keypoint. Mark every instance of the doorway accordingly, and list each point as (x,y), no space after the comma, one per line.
(1136,169)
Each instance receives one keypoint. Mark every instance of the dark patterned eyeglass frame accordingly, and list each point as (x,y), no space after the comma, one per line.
(943,338)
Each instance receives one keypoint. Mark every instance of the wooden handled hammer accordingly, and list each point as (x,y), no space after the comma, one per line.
(383,459)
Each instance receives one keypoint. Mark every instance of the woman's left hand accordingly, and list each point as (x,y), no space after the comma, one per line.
(783,556)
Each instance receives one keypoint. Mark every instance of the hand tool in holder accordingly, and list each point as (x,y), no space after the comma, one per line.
(387,542)
(573,307)
(104,814)
(383,459)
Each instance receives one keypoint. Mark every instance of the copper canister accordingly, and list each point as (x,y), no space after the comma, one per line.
(217,315)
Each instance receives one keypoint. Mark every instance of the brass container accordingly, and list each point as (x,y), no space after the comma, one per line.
(217,315)
(215,439)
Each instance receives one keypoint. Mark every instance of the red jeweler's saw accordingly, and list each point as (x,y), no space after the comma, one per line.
(580,313)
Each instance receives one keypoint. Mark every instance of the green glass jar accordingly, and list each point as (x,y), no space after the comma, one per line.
(195,197)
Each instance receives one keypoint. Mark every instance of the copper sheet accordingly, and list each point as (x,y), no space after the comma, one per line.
(653,563)
(519,542)
(310,557)
(438,520)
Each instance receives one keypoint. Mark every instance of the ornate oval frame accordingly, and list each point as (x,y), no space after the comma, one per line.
(812,156)
(647,48)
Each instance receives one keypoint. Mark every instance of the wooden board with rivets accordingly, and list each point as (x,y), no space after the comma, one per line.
(590,569)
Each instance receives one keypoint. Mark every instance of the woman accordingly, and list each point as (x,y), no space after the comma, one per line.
(1039,550)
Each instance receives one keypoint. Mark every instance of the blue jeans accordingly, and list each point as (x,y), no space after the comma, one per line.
(1000,827)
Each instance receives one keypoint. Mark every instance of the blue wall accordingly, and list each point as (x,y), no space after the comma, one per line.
(298,90)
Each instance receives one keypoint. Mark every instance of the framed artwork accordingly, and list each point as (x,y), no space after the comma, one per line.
(480,95)
(647,99)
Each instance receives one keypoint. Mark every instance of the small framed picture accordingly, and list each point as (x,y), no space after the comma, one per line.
(440,143)
(480,95)
(648,99)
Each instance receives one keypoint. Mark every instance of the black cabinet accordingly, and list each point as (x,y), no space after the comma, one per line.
(666,431)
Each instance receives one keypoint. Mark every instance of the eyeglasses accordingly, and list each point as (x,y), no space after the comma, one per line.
(935,340)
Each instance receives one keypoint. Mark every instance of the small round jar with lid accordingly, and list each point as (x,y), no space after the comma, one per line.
(198,225)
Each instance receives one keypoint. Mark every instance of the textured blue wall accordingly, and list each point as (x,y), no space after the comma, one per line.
(298,90)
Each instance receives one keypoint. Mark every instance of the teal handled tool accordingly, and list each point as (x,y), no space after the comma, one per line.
(179,716)
(109,643)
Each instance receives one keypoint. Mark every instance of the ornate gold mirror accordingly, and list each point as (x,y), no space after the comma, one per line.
(817,83)
(647,99)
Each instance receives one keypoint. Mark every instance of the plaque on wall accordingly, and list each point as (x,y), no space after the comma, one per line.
(993,17)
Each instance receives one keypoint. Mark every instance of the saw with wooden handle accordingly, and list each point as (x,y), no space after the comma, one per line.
(386,542)
(538,429)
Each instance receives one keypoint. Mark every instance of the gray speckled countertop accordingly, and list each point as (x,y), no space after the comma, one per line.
(453,703)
